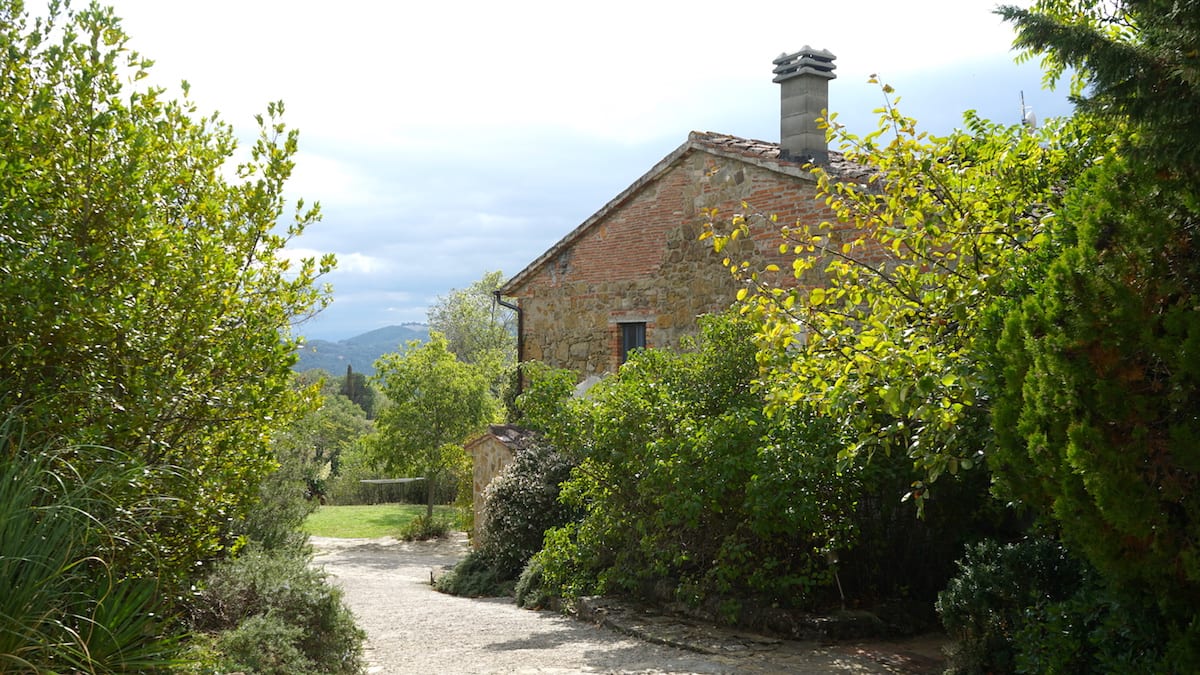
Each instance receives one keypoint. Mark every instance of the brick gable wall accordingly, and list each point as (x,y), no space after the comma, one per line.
(644,261)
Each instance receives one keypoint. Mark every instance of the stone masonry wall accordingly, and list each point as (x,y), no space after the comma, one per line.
(646,262)
(489,456)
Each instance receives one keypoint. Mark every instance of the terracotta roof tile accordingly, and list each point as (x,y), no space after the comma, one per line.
(742,146)
(749,148)
(512,435)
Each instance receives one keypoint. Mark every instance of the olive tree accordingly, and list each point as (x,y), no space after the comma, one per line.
(478,329)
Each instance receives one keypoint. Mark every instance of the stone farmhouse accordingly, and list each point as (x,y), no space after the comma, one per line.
(636,273)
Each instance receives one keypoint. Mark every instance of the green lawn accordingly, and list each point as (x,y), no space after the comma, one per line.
(376,520)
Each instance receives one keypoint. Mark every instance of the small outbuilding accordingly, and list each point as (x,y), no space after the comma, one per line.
(490,453)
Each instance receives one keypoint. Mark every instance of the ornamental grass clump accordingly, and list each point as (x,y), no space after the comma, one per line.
(64,608)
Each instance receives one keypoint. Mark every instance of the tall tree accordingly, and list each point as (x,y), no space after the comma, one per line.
(145,304)
(357,388)
(478,330)
(1101,361)
(1135,61)
(436,402)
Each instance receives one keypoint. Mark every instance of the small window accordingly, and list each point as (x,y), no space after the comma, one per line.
(633,336)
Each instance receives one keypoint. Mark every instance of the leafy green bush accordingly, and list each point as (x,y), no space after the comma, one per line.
(542,404)
(684,478)
(281,587)
(273,524)
(684,482)
(474,577)
(521,504)
(267,611)
(564,568)
(1097,631)
(898,553)
(984,606)
(265,645)
(532,591)
(1033,607)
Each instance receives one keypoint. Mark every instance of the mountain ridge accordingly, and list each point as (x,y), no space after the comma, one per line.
(360,351)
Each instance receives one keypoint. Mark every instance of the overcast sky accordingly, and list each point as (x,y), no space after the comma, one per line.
(447,138)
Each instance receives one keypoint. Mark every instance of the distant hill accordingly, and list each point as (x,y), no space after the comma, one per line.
(360,351)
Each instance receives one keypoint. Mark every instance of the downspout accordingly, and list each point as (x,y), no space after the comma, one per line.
(520,334)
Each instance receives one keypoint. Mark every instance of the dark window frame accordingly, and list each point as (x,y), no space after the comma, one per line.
(632,336)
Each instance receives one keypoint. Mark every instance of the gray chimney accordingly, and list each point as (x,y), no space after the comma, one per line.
(803,78)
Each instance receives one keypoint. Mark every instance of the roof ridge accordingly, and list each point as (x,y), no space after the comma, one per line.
(764,154)
(837,164)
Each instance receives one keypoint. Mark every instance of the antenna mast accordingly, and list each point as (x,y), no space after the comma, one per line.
(1027,117)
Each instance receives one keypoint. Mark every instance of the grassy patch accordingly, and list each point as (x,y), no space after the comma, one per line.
(375,520)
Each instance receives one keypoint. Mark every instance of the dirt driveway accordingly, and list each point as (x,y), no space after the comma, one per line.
(413,629)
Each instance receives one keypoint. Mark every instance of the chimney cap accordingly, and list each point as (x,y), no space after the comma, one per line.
(807,61)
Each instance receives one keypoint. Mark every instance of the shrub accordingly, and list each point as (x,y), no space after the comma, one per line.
(423,528)
(984,606)
(543,404)
(267,611)
(687,486)
(281,587)
(264,644)
(1033,607)
(562,569)
(677,482)
(532,591)
(520,505)
(274,522)
(474,577)
(1094,631)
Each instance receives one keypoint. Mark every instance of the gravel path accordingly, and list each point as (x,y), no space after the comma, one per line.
(413,629)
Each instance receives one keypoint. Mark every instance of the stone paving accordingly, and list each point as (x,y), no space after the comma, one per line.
(413,629)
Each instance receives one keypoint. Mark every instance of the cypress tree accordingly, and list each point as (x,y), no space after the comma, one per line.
(1097,422)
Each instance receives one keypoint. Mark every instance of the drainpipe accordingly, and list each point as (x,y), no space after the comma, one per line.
(520,334)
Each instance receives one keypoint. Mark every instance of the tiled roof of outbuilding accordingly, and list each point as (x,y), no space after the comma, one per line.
(511,435)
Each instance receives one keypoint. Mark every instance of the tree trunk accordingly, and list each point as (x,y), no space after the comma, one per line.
(429,498)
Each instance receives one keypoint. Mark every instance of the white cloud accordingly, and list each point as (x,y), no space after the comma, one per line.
(330,181)
(369,72)
(358,263)
(447,139)
(347,263)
